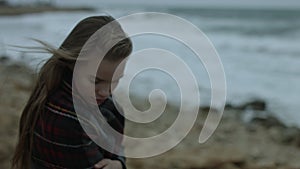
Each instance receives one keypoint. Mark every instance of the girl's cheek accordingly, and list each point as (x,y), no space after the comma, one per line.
(113,87)
(84,88)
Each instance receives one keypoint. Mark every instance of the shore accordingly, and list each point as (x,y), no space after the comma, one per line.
(8,10)
(261,142)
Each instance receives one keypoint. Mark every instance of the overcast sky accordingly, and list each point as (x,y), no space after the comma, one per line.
(224,3)
(193,3)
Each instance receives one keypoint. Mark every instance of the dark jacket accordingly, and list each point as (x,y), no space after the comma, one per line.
(59,140)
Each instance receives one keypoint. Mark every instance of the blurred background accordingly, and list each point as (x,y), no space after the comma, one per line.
(258,44)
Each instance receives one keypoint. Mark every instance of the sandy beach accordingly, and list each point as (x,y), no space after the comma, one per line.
(261,143)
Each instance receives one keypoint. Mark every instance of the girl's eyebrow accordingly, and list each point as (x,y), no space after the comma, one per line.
(99,79)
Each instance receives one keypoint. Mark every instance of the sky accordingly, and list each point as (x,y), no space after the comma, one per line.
(295,4)
(220,3)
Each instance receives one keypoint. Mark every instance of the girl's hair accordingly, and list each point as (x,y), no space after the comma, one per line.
(51,74)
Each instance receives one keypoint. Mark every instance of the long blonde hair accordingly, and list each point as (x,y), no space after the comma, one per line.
(50,77)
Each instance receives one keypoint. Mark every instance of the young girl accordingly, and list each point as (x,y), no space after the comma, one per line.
(50,134)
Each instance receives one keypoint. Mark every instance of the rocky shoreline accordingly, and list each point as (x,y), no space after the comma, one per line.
(240,142)
(260,143)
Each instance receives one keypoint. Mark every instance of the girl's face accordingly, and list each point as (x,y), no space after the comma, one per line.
(105,80)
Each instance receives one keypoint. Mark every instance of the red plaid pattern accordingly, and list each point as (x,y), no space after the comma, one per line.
(60,141)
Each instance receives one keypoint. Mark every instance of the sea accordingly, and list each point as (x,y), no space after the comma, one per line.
(259,49)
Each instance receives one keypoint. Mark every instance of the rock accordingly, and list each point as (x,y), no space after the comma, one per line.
(229,106)
(268,121)
(4,59)
(230,166)
(276,133)
(219,157)
(254,105)
(263,164)
(291,136)
(18,76)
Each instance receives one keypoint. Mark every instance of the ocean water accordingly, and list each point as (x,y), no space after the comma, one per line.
(259,49)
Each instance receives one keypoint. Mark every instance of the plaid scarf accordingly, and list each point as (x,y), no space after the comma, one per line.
(59,140)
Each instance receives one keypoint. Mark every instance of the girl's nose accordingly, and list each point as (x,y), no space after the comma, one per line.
(103,92)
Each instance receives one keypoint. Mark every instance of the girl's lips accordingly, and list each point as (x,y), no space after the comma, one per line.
(100,100)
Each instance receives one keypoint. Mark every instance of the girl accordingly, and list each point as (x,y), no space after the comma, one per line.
(50,135)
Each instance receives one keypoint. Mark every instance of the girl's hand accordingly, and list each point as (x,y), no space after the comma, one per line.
(108,164)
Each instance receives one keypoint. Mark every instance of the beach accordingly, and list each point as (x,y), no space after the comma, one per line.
(261,143)
(259,50)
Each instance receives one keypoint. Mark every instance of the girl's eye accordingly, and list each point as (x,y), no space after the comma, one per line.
(115,82)
(94,80)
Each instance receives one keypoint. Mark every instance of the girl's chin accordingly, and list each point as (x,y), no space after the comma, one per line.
(93,101)
(99,101)
(96,101)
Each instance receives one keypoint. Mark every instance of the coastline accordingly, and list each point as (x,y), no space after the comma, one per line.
(260,143)
(10,10)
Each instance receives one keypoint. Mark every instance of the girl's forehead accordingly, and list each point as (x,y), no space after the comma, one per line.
(106,70)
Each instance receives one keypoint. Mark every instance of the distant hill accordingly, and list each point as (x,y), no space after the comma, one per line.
(19,10)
